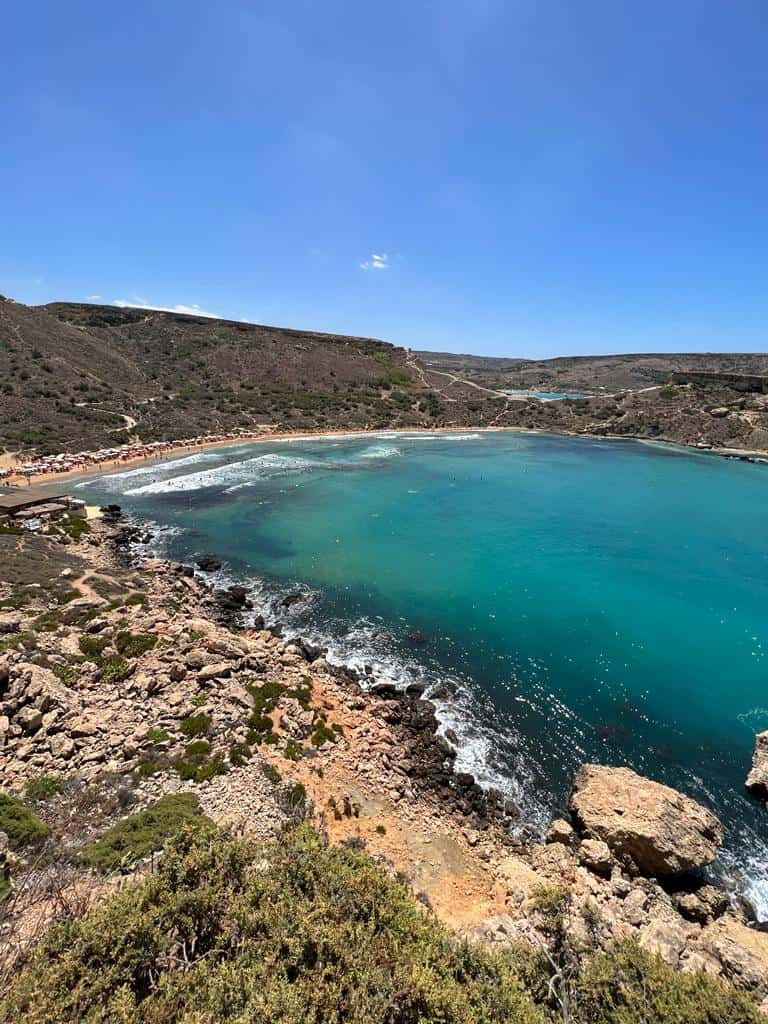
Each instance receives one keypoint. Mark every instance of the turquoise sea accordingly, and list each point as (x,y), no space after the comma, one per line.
(579,599)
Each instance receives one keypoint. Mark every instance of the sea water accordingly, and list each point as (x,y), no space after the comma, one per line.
(579,600)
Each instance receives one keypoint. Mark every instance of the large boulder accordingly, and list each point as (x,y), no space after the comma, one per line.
(757,780)
(646,825)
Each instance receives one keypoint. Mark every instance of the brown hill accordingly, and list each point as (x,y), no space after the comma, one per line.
(77,376)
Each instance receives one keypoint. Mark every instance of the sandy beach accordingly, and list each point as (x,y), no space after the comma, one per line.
(40,485)
(44,483)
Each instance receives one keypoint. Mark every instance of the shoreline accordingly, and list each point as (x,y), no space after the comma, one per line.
(42,483)
(371,762)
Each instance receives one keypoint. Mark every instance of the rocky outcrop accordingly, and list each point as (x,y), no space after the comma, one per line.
(209,563)
(650,828)
(757,780)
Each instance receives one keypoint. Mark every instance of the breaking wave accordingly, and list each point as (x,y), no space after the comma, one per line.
(228,476)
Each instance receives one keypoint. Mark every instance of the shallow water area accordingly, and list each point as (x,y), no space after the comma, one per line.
(580,600)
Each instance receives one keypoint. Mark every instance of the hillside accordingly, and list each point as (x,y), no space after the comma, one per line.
(590,373)
(78,376)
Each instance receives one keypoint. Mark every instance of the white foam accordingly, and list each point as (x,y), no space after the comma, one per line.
(380,452)
(227,476)
(155,468)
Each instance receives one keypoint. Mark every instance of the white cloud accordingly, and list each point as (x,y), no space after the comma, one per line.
(92,298)
(138,303)
(377,261)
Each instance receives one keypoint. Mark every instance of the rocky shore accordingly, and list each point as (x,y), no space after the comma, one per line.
(130,682)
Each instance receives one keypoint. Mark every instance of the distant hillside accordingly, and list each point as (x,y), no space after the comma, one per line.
(590,373)
(75,376)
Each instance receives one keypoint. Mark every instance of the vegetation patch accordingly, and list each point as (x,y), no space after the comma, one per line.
(133,645)
(265,698)
(155,735)
(295,931)
(20,823)
(293,750)
(66,672)
(42,787)
(47,622)
(324,734)
(92,646)
(12,643)
(239,753)
(197,764)
(113,670)
(195,725)
(140,834)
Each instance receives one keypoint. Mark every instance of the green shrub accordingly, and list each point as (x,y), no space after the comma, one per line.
(295,931)
(133,645)
(195,725)
(293,750)
(47,622)
(155,735)
(20,824)
(197,766)
(271,773)
(239,753)
(141,834)
(67,673)
(216,766)
(113,670)
(322,935)
(92,646)
(42,787)
(323,734)
(137,598)
(74,528)
(296,796)
(629,984)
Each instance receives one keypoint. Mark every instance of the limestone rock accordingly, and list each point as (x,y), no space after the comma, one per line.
(757,780)
(645,823)
(30,719)
(595,855)
(61,746)
(561,831)
(217,671)
(635,906)
(706,904)
(666,938)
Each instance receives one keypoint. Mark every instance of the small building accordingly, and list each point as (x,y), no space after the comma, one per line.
(14,512)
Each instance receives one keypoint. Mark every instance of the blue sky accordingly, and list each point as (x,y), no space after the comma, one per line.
(530,177)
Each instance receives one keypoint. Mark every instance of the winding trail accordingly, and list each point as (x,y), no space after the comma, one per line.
(410,359)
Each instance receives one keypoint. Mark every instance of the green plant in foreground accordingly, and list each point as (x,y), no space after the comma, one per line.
(20,824)
(230,931)
(140,834)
